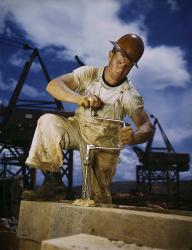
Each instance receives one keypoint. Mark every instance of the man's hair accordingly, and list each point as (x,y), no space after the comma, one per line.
(114,50)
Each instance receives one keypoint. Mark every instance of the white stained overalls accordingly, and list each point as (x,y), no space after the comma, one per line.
(54,133)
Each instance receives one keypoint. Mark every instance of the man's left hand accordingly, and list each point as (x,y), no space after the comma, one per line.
(126,135)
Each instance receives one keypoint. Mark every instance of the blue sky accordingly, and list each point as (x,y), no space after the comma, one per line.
(62,29)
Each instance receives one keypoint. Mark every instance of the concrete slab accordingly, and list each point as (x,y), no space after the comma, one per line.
(26,244)
(39,221)
(89,242)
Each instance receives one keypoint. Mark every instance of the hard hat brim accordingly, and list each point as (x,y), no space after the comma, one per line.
(116,45)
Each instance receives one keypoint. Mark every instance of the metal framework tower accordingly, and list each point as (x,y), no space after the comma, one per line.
(17,124)
(160,165)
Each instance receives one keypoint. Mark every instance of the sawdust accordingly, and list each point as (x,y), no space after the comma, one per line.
(84,202)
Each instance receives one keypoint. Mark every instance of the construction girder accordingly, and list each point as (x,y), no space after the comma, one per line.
(160,165)
(17,125)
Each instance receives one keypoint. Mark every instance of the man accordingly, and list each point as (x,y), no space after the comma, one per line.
(111,95)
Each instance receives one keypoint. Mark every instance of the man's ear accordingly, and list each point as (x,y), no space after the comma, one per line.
(110,55)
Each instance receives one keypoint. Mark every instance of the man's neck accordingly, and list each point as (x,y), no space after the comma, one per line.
(109,81)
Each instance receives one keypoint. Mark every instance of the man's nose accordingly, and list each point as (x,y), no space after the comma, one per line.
(123,64)
(124,61)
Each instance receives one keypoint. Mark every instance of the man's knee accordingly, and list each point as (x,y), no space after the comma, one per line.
(46,118)
(106,162)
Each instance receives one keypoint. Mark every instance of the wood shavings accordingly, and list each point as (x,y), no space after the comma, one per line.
(84,202)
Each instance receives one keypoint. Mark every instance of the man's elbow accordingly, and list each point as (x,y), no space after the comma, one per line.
(50,86)
(149,132)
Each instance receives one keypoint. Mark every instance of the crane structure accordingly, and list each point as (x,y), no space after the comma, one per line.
(160,164)
(17,125)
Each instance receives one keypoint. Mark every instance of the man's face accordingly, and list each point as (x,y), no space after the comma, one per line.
(119,66)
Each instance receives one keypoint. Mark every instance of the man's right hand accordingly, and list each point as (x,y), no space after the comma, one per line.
(91,101)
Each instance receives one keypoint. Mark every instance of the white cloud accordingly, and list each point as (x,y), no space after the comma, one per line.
(4,13)
(173,111)
(3,86)
(126,169)
(77,170)
(4,101)
(161,67)
(19,60)
(30,91)
(7,86)
(179,134)
(27,90)
(84,28)
(173,5)
(60,23)
(87,34)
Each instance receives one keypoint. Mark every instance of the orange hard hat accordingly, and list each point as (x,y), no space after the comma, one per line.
(132,46)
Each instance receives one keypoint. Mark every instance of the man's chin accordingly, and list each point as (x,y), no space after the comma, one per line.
(118,78)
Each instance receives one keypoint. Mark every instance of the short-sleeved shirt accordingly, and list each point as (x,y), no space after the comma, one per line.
(118,101)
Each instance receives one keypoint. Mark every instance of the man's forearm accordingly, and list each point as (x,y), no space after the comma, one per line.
(143,134)
(61,92)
